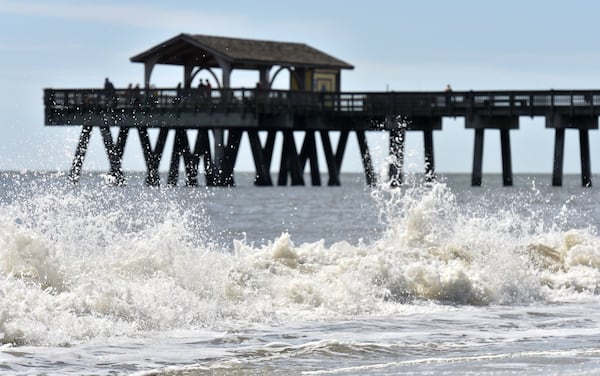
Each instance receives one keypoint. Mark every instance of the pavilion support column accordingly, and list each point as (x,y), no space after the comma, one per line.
(264,78)
(366,159)
(148,68)
(226,69)
(82,145)
(114,152)
(188,69)
(153,155)
(299,75)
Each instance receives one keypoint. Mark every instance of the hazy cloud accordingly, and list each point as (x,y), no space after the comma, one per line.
(125,14)
(38,47)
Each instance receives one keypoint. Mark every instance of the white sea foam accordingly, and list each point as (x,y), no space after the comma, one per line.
(76,266)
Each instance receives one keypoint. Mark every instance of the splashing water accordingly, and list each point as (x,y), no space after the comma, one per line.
(79,264)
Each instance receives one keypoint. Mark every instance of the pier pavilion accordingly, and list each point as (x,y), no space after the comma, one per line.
(313,104)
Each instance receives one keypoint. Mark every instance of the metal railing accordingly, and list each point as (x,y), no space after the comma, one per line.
(65,101)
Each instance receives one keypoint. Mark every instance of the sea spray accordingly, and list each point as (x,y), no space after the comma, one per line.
(79,264)
(83,264)
(444,252)
(469,254)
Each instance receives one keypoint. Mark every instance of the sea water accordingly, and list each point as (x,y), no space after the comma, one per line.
(426,278)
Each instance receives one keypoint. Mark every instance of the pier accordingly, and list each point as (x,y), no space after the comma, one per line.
(221,117)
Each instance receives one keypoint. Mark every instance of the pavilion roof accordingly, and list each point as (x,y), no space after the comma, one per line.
(241,53)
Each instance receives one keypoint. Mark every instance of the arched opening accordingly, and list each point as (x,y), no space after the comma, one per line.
(209,76)
(280,78)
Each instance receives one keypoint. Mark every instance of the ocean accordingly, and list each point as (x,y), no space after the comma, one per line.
(424,279)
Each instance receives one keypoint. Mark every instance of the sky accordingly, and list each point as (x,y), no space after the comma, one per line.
(394,45)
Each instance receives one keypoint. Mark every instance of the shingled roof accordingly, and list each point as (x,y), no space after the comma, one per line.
(240,53)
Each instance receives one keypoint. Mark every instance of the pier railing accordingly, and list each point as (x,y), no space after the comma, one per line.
(61,102)
(281,111)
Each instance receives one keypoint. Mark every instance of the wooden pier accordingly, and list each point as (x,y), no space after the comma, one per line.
(314,104)
(235,112)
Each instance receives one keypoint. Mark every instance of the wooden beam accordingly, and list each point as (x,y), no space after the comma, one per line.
(330,158)
(559,151)
(180,147)
(230,155)
(507,177)
(261,161)
(396,167)
(202,149)
(477,158)
(309,152)
(290,161)
(429,159)
(370,176)
(584,150)
(152,155)
(115,152)
(341,149)
(191,161)
(82,145)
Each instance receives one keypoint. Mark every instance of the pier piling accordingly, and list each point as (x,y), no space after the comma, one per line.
(506,158)
(559,151)
(476,175)
(82,145)
(262,157)
(220,126)
(429,156)
(561,121)
(396,165)
(504,123)
(584,148)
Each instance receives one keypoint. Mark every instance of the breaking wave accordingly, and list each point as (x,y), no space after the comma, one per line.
(78,265)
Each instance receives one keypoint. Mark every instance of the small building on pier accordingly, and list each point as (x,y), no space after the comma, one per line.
(309,68)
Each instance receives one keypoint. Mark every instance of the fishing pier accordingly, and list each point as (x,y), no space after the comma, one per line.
(208,123)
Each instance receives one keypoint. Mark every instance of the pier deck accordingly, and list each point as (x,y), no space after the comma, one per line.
(248,110)
(252,108)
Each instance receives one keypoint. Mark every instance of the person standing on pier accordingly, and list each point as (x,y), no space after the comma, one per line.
(208,89)
(178,94)
(448,92)
(109,92)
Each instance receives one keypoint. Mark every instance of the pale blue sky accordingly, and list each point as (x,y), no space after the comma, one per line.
(395,45)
